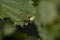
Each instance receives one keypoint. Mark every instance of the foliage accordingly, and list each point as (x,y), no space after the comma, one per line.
(46,14)
(44,11)
(16,9)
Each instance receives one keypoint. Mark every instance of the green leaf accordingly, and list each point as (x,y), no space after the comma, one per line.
(16,10)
